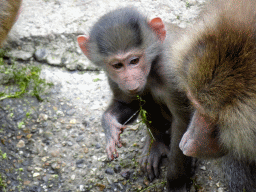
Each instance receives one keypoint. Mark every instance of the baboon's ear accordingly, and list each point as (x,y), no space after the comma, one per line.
(83,44)
(158,27)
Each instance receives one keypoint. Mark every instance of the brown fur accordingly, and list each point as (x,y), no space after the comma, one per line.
(219,70)
(8,13)
(216,65)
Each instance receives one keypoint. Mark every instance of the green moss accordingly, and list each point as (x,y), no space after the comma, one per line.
(19,80)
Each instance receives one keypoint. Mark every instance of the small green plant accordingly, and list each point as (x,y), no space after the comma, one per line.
(20,79)
(2,183)
(188,4)
(136,163)
(4,155)
(19,179)
(196,186)
(152,186)
(96,79)
(27,114)
(110,164)
(121,163)
(143,114)
(21,124)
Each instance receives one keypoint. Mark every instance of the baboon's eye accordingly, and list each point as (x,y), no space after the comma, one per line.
(135,60)
(118,65)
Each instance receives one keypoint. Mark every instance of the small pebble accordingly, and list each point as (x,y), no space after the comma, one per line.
(79,138)
(71,112)
(101,177)
(41,54)
(80,161)
(69,143)
(36,174)
(109,171)
(117,169)
(20,144)
(126,174)
(85,123)
(97,146)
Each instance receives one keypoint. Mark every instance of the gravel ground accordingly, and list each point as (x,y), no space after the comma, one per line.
(61,145)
